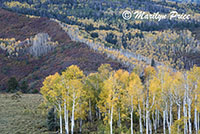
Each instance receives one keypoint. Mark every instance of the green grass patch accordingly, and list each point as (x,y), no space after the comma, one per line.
(21,115)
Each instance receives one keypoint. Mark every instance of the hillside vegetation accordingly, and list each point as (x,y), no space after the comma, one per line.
(17,30)
(173,42)
(97,72)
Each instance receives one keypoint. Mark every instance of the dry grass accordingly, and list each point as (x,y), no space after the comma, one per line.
(21,115)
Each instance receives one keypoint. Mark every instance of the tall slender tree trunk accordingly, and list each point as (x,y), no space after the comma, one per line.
(150,126)
(111,118)
(167,119)
(179,112)
(195,115)
(144,112)
(189,116)
(60,112)
(66,118)
(179,115)
(195,120)
(131,119)
(147,113)
(155,120)
(72,120)
(140,112)
(185,115)
(184,105)
(170,116)
(81,122)
(90,111)
(164,131)
(147,121)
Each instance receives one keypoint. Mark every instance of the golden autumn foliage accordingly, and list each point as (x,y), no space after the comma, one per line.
(115,95)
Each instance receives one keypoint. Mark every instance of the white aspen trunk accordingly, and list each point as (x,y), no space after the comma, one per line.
(189,116)
(195,120)
(179,112)
(147,122)
(66,118)
(144,113)
(90,112)
(179,115)
(184,105)
(170,116)
(185,115)
(167,119)
(155,121)
(111,117)
(80,129)
(72,120)
(141,130)
(164,131)
(147,113)
(60,112)
(150,126)
(195,115)
(131,119)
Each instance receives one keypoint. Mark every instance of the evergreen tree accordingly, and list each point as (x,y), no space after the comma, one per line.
(12,84)
(24,87)
(52,123)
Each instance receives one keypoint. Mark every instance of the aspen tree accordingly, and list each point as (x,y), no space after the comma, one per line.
(161,77)
(108,100)
(168,92)
(149,73)
(134,97)
(194,78)
(91,89)
(155,93)
(73,76)
(104,72)
(52,93)
(121,77)
(178,94)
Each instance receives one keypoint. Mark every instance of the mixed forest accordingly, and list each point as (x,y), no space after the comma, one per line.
(153,87)
(173,42)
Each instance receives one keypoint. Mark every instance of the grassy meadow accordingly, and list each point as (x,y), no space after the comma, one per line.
(20,114)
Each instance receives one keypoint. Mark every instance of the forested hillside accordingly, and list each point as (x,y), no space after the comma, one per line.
(25,56)
(173,42)
(97,72)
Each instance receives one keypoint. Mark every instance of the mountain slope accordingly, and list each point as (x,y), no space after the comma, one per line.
(34,70)
(20,27)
